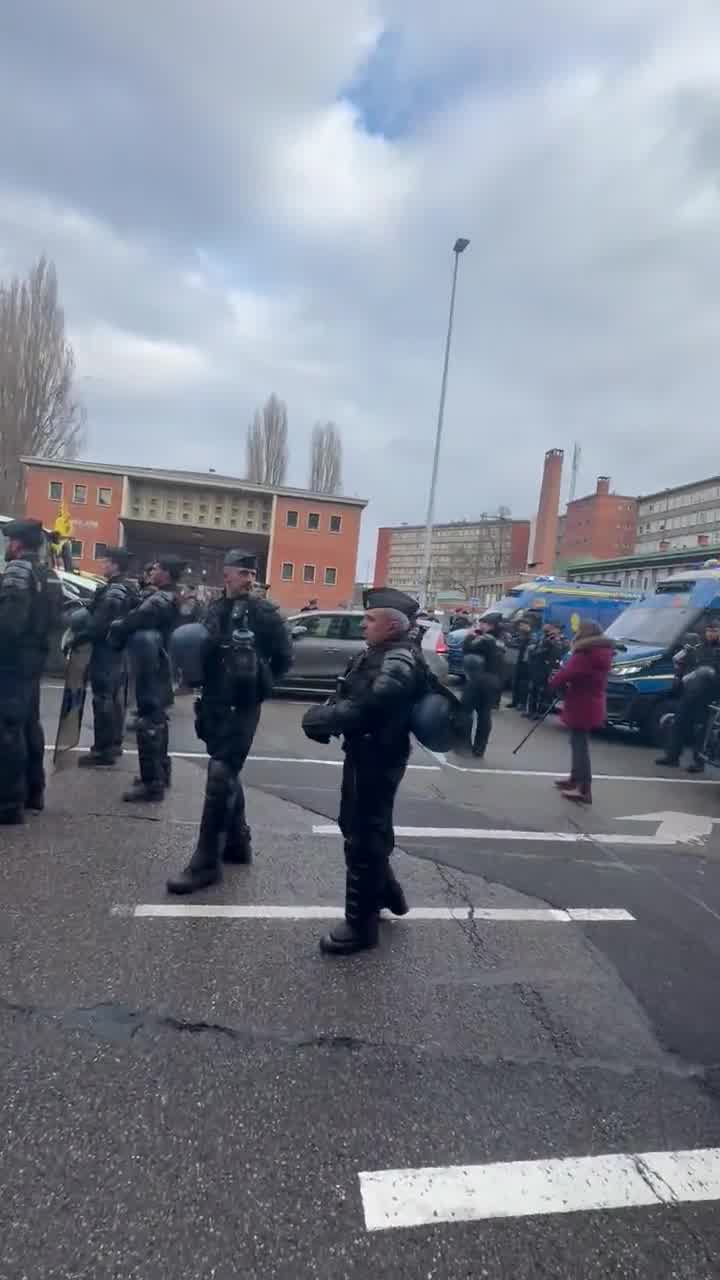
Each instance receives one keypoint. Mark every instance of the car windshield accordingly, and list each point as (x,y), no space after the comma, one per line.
(642,624)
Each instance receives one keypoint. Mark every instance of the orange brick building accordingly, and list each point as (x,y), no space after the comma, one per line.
(306,544)
(600,526)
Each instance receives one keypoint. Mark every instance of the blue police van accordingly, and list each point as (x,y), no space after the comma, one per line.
(566,604)
(651,631)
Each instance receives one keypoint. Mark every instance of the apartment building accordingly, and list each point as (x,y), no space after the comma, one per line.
(675,519)
(306,544)
(465,554)
(600,525)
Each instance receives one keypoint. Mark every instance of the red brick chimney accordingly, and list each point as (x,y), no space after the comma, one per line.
(546,525)
(603,485)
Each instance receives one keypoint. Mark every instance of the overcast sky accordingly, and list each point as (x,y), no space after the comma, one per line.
(243,198)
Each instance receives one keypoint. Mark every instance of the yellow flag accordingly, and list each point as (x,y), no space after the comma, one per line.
(63,524)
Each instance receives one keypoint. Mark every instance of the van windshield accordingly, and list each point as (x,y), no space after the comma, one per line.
(509,604)
(659,624)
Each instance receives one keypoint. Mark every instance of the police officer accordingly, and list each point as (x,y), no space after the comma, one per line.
(698,677)
(146,629)
(29,607)
(248,647)
(372,712)
(108,668)
(544,656)
(484,661)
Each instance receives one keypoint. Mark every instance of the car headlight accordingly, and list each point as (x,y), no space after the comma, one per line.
(630,668)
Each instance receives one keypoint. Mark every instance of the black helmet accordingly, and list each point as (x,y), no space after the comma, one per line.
(188,649)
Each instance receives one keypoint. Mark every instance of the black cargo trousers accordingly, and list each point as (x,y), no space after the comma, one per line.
(22,745)
(370,780)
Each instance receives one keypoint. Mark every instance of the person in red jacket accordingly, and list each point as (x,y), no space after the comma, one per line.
(583,681)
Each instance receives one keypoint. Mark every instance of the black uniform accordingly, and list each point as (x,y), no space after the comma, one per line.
(543,656)
(248,648)
(688,726)
(30,604)
(150,623)
(372,711)
(108,669)
(484,667)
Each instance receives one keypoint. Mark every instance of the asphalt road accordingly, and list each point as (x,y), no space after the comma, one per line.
(203,1097)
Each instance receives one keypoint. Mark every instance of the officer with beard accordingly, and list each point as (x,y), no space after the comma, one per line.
(108,668)
(698,676)
(371,711)
(147,628)
(248,646)
(30,604)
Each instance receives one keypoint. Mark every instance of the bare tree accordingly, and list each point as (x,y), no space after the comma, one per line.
(267,443)
(484,557)
(325,459)
(38,413)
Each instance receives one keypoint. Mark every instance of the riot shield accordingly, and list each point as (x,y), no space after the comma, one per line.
(73,703)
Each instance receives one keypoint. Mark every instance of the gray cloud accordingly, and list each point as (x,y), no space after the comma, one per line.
(224,226)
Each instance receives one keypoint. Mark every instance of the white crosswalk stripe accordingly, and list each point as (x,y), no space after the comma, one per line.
(520,1189)
(242,911)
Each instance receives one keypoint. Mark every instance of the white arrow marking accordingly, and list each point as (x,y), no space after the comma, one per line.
(676,828)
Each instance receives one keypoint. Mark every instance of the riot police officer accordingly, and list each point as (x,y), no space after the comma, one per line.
(484,659)
(372,712)
(698,678)
(108,668)
(146,630)
(29,606)
(247,647)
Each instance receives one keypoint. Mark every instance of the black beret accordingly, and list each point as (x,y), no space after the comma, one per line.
(390,598)
(119,556)
(29,532)
(239,559)
(173,565)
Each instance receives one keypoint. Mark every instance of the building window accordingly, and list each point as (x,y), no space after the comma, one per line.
(313,520)
(76,549)
(79,493)
(287,570)
(55,490)
(203,507)
(104,497)
(100,551)
(330,577)
(308,573)
(335,524)
(291,519)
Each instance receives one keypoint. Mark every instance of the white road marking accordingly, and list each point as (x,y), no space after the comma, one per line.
(504,834)
(202,755)
(680,828)
(526,1188)
(511,915)
(482,770)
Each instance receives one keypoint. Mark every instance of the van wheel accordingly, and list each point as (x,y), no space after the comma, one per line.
(654,729)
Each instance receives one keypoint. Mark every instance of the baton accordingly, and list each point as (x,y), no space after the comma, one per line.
(536,725)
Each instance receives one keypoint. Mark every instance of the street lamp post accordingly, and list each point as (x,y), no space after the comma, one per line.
(424,585)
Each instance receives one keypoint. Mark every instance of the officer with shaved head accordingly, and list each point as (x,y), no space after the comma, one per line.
(371,712)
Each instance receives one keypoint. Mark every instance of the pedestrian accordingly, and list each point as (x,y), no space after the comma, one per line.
(30,606)
(484,660)
(698,684)
(248,646)
(148,627)
(371,712)
(583,682)
(310,607)
(108,666)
